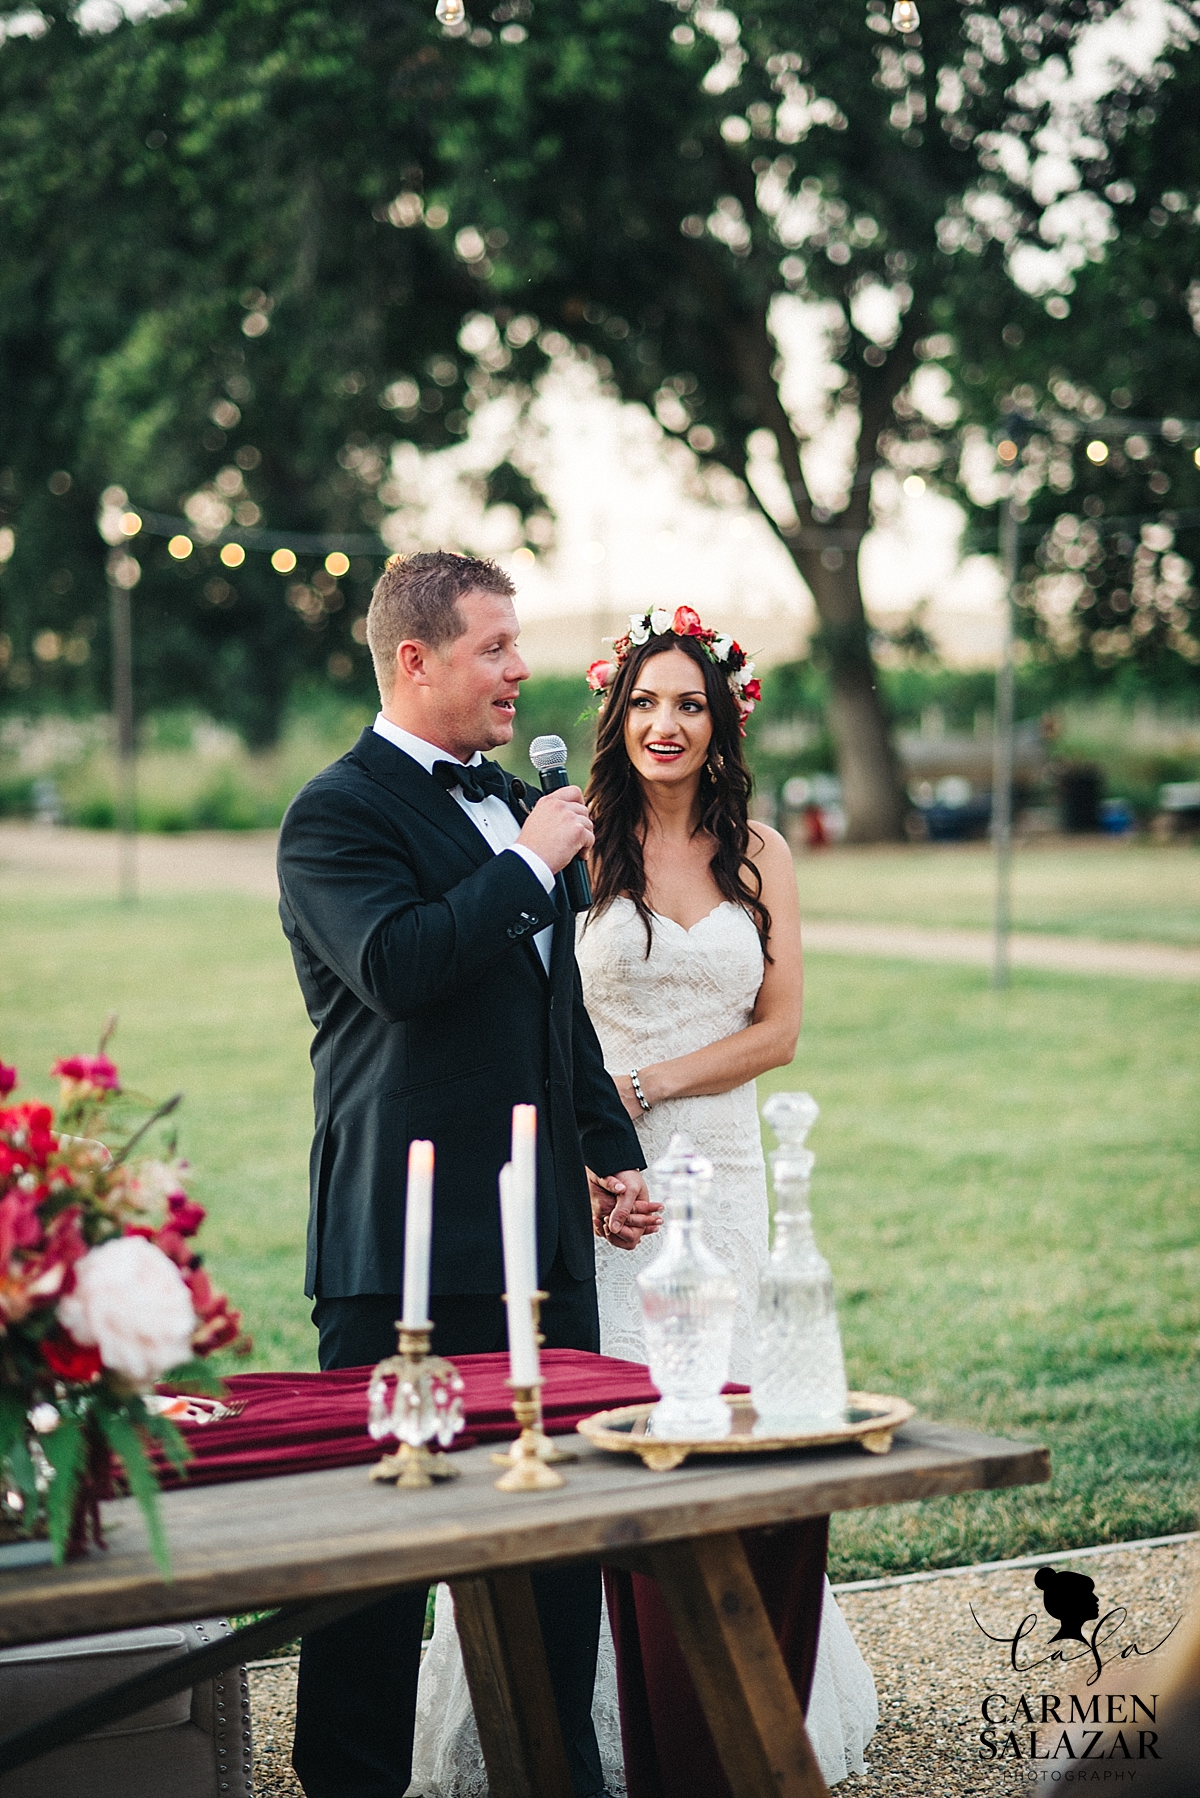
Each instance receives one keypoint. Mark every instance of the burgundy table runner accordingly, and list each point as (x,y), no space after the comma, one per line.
(301,1422)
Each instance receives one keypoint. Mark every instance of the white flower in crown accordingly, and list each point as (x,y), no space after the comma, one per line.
(721,647)
(639,629)
(744,672)
(661,620)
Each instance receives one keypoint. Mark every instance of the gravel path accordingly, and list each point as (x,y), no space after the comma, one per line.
(1027,949)
(33,856)
(933,1667)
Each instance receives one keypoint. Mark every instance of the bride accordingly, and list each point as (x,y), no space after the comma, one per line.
(692,974)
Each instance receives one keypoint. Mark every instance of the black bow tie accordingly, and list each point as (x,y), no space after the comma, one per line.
(476,783)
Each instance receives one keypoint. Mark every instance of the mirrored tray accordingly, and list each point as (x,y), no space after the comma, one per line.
(869,1419)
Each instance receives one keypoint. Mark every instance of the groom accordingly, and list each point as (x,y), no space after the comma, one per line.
(429,927)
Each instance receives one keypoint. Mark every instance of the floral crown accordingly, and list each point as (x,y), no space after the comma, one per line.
(683,622)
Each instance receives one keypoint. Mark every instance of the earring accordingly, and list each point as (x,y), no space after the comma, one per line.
(716,763)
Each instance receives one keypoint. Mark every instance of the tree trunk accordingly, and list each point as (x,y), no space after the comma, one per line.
(872,788)
(826,554)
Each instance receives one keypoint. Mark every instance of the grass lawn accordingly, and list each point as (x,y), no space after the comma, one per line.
(1118,889)
(1005,1186)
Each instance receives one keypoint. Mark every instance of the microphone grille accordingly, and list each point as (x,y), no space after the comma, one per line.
(548,752)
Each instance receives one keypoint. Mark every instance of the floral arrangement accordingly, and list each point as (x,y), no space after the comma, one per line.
(683,622)
(101,1294)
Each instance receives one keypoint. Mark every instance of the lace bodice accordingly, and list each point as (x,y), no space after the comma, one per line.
(697,986)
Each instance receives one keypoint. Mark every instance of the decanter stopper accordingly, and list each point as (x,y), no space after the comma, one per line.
(799,1373)
(688,1303)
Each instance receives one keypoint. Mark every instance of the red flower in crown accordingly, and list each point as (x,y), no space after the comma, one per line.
(686,622)
(8,1079)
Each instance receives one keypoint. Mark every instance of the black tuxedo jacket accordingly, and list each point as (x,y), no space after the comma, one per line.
(414,948)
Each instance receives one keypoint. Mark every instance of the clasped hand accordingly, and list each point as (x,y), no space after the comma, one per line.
(622,1209)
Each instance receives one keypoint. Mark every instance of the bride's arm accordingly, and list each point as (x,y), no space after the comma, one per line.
(769,1040)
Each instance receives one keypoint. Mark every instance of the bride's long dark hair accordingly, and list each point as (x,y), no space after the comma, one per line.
(618,803)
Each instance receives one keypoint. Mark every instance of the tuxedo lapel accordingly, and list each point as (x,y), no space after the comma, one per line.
(396,771)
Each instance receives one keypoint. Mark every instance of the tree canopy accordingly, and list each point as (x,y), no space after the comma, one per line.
(250,244)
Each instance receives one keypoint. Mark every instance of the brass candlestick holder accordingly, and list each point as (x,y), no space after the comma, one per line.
(527,1469)
(425,1402)
(544,1448)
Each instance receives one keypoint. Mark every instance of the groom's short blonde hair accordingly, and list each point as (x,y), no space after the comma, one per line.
(416,600)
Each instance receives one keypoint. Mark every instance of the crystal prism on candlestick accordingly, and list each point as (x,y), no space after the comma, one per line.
(799,1373)
(688,1303)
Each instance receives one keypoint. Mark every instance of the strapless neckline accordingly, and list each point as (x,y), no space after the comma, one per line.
(687,929)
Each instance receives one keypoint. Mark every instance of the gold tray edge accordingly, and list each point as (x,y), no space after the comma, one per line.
(892,1415)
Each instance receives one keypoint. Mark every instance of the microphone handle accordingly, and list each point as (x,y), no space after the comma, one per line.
(575,874)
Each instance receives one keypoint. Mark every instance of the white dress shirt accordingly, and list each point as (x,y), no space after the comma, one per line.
(490,816)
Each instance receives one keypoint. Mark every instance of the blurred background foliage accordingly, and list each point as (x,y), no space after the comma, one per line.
(250,247)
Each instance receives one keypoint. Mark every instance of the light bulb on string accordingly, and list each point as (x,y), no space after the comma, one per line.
(450,12)
(905,16)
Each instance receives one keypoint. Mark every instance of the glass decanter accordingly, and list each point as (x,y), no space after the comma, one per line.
(688,1303)
(799,1374)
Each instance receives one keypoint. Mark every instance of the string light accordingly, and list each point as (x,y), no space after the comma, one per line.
(450,13)
(905,16)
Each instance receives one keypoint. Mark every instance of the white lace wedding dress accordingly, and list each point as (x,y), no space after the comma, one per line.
(697,986)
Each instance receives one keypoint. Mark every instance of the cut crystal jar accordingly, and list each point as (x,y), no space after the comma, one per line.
(799,1374)
(688,1303)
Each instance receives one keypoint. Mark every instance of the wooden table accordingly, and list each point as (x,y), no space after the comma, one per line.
(319,1545)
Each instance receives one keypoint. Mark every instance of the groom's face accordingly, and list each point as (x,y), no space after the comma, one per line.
(473,682)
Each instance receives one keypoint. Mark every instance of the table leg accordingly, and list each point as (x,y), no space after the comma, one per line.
(510,1687)
(738,1672)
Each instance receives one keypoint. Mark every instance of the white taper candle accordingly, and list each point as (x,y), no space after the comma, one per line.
(418,1233)
(524,1181)
(522,1346)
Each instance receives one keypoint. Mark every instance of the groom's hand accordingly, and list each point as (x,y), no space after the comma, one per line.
(622,1209)
(558,828)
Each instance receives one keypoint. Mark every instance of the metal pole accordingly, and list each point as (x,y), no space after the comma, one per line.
(1002,763)
(120,614)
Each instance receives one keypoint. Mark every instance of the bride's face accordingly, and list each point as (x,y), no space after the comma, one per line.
(668,727)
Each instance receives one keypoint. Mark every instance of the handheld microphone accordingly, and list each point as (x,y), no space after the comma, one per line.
(549,757)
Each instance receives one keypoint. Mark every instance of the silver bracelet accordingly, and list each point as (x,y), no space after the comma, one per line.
(638,1094)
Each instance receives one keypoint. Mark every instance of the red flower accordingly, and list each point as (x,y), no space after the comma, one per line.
(753,690)
(30,1138)
(600,675)
(186,1215)
(70,1360)
(90,1070)
(218,1325)
(8,1079)
(686,622)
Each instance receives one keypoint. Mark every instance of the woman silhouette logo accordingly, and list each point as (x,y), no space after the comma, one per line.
(1070,1598)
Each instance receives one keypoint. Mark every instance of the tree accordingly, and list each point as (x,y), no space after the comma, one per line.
(208,296)
(671,180)
(1096,373)
(250,245)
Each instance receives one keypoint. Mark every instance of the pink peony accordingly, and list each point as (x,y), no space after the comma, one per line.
(133,1303)
(8,1079)
(89,1070)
